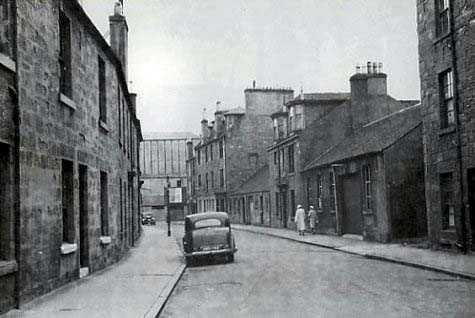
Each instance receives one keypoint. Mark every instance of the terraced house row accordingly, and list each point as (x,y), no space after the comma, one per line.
(374,167)
(69,136)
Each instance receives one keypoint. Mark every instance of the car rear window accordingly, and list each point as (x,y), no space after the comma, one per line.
(207,223)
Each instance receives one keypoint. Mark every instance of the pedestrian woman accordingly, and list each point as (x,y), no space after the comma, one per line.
(312,217)
(300,219)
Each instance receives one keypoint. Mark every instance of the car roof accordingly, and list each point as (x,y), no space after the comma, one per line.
(207,215)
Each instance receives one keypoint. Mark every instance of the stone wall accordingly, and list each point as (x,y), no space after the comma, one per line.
(440,145)
(52,130)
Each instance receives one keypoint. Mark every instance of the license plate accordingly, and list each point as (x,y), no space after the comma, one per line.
(210,247)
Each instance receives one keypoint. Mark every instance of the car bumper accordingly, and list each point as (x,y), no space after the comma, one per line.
(212,253)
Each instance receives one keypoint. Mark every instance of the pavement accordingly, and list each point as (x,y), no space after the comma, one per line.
(137,286)
(453,264)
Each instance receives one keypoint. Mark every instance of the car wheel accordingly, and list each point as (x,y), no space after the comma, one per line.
(231,257)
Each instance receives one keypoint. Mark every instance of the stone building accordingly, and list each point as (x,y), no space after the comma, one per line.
(371,184)
(314,124)
(286,152)
(69,137)
(233,147)
(447,69)
(250,203)
(163,158)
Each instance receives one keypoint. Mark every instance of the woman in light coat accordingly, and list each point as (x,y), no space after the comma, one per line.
(312,219)
(300,220)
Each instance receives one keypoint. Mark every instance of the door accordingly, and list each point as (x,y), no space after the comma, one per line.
(351,209)
(471,201)
(283,198)
(83,218)
(250,209)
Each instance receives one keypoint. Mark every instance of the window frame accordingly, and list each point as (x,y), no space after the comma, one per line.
(442,18)
(104,203)
(367,178)
(65,55)
(447,200)
(102,78)
(291,158)
(446,99)
(319,192)
(332,183)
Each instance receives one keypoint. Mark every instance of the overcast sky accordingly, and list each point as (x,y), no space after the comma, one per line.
(184,55)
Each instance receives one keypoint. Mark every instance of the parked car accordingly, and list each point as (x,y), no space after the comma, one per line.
(208,234)
(147,218)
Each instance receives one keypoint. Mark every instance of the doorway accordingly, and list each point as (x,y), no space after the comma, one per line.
(352,218)
(83,222)
(471,201)
(283,201)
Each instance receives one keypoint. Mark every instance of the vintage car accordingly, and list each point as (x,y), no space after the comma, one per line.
(147,218)
(208,234)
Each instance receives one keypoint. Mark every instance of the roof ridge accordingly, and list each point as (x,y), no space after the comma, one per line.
(390,115)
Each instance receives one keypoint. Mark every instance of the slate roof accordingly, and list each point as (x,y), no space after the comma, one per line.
(372,138)
(323,96)
(257,183)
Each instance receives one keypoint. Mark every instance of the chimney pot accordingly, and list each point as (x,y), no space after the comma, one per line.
(375,68)
(368,67)
(380,67)
(118,8)
(358,68)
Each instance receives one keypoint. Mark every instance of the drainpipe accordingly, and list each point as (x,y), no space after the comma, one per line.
(338,226)
(16,154)
(462,245)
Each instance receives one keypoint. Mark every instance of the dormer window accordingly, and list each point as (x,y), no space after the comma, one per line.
(279,128)
(296,117)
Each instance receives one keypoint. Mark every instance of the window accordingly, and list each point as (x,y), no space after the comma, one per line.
(276,160)
(102,90)
(211,152)
(212,179)
(178,183)
(6,216)
(65,55)
(221,178)
(119,106)
(332,191)
(319,192)
(67,182)
(296,117)
(442,18)
(221,149)
(282,162)
(291,159)
(277,203)
(448,200)
(367,181)
(276,128)
(199,180)
(206,154)
(199,156)
(447,112)
(207,182)
(104,205)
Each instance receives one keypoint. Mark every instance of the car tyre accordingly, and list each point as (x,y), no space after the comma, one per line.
(231,257)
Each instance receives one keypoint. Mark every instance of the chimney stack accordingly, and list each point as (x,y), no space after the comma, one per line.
(219,118)
(189,148)
(119,36)
(133,99)
(204,125)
